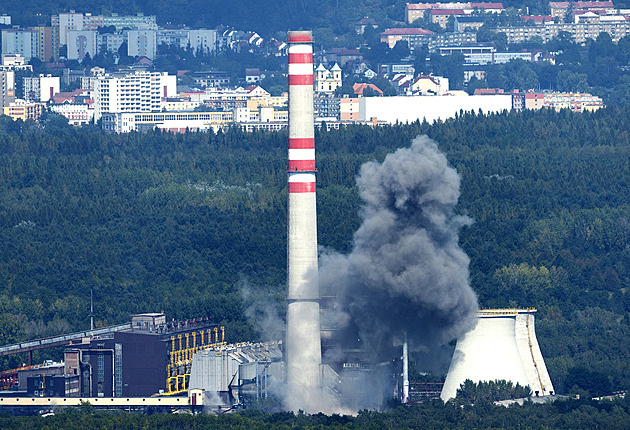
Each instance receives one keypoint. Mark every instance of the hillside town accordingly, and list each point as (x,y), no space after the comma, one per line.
(107,69)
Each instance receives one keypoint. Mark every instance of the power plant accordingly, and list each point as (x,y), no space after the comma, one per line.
(403,288)
(502,346)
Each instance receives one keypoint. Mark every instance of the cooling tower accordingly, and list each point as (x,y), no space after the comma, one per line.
(503,345)
(303,342)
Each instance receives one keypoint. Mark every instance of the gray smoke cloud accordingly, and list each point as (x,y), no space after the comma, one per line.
(406,272)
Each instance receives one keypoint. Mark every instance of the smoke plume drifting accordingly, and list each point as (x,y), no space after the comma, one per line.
(406,272)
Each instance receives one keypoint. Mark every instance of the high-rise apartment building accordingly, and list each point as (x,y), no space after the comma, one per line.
(142,43)
(7,87)
(20,41)
(40,88)
(138,92)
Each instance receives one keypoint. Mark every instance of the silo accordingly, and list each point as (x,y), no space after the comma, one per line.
(503,345)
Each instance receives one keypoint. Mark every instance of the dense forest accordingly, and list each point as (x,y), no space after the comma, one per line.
(195,225)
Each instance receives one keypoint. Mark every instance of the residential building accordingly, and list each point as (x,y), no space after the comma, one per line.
(417,11)
(137,92)
(211,78)
(178,104)
(130,21)
(468,23)
(40,88)
(413,36)
(110,42)
(327,81)
(20,41)
(499,57)
(81,43)
(142,43)
(537,19)
(342,56)
(47,45)
(559,9)
(442,16)
(580,32)
(577,102)
(361,24)
(228,99)
(480,48)
(202,40)
(349,109)
(326,107)
(14,62)
(76,113)
(429,86)
(253,75)
(21,109)
(7,87)
(448,38)
(73,21)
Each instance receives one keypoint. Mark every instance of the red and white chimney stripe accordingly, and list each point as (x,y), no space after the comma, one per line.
(301,135)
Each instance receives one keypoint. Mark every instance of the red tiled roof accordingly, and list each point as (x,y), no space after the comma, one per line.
(359,88)
(405,32)
(592,4)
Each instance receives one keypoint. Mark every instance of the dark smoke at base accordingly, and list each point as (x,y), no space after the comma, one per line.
(406,273)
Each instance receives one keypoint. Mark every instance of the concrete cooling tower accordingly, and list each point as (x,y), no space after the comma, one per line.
(503,345)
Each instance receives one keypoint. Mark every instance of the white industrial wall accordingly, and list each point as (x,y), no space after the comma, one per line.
(411,108)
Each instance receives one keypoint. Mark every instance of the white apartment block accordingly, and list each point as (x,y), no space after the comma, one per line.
(21,42)
(417,10)
(70,21)
(580,32)
(142,43)
(205,40)
(81,43)
(77,114)
(131,21)
(7,88)
(40,88)
(138,92)
(202,40)
(110,41)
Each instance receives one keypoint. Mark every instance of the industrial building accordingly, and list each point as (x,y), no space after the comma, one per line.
(503,346)
(147,357)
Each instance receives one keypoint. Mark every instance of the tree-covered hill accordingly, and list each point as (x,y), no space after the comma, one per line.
(265,17)
(195,225)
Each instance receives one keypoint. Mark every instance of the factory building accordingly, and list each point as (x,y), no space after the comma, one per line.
(150,357)
(238,373)
(502,346)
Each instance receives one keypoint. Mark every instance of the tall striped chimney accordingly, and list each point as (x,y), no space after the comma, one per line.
(303,349)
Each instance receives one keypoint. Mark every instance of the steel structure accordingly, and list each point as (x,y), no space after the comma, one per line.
(50,342)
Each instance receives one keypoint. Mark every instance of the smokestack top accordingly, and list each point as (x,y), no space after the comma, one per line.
(300,37)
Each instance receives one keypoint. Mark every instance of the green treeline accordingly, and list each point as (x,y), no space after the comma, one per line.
(195,225)
(562,414)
